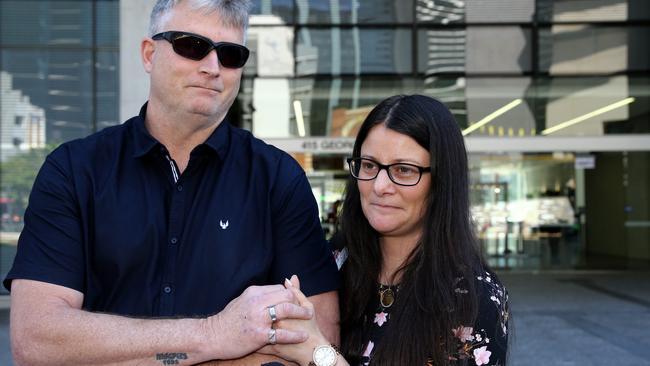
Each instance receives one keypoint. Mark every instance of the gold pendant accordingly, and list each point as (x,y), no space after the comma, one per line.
(386,297)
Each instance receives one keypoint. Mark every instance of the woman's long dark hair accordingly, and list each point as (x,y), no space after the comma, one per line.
(426,307)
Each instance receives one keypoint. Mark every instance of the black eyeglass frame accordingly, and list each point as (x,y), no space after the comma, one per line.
(172,36)
(387,167)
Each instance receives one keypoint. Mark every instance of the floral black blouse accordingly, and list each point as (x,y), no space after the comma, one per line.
(482,343)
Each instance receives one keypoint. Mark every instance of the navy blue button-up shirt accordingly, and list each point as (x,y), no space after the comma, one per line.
(109,216)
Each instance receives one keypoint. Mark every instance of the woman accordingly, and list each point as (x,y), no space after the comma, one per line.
(415,289)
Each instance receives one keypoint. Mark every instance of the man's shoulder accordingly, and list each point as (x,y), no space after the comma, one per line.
(100,146)
(105,138)
(262,152)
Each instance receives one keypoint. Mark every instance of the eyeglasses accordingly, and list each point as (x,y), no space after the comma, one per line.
(196,47)
(403,174)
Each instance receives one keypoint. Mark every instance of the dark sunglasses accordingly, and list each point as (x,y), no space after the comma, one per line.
(196,47)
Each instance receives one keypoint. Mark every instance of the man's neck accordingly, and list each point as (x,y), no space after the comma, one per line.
(180,133)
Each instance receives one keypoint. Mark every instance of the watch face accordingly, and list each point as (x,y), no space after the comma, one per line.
(325,356)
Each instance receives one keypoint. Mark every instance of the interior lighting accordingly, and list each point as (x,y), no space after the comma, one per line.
(585,117)
(300,122)
(490,117)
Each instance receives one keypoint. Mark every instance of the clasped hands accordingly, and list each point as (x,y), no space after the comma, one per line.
(271,319)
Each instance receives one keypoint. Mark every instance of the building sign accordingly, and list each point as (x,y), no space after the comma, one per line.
(323,145)
(585,162)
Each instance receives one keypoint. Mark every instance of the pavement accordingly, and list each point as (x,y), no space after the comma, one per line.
(559,318)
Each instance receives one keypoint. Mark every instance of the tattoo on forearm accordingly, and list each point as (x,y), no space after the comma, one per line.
(170,358)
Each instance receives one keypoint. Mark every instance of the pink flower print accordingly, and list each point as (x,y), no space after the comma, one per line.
(478,337)
(463,333)
(381,318)
(369,348)
(482,356)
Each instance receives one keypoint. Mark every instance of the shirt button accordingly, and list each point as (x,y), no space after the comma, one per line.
(174,240)
(167,289)
(179,187)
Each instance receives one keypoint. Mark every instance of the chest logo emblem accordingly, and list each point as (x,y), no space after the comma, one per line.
(224,225)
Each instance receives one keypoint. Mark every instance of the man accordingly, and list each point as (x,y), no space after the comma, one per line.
(172,215)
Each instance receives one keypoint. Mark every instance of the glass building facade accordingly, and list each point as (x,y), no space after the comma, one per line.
(553,97)
(59,80)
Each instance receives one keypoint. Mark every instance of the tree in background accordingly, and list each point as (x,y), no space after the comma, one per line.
(17,175)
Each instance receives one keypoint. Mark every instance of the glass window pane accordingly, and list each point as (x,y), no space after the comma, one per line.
(59,83)
(498,107)
(108,23)
(108,88)
(476,49)
(592,106)
(64,23)
(271,12)
(498,49)
(354,51)
(451,91)
(336,107)
(440,12)
(499,11)
(592,10)
(354,11)
(441,51)
(575,49)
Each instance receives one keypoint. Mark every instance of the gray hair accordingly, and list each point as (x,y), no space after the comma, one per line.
(233,13)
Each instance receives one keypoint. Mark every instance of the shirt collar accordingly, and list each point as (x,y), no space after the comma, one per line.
(144,142)
(218,141)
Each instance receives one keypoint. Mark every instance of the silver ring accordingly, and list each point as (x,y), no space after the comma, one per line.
(272,336)
(273,314)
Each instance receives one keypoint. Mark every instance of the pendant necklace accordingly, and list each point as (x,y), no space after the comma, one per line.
(387,295)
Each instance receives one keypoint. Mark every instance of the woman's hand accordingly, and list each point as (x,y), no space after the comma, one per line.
(300,353)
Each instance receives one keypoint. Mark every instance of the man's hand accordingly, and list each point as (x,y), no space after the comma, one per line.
(243,326)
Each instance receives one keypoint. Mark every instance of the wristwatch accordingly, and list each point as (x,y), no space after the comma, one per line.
(324,355)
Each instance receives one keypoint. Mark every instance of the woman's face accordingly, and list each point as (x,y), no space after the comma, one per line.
(392,209)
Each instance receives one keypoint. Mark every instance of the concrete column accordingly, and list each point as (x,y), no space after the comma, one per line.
(134,81)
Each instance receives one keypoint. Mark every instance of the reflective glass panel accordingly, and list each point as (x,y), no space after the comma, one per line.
(499,11)
(498,107)
(354,11)
(272,12)
(502,49)
(475,49)
(592,10)
(59,83)
(55,23)
(507,107)
(108,88)
(576,49)
(440,12)
(353,51)
(592,106)
(108,23)
(441,51)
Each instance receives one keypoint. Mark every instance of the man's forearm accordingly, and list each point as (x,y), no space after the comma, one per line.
(76,337)
(49,328)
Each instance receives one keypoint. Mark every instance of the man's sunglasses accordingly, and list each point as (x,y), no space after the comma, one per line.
(196,47)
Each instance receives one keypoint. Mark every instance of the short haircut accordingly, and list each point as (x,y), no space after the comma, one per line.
(233,13)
